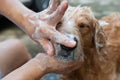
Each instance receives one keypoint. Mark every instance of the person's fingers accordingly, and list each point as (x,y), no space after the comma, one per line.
(57,37)
(47,45)
(53,4)
(55,17)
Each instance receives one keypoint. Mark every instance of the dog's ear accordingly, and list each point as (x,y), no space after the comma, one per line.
(95,23)
(100,37)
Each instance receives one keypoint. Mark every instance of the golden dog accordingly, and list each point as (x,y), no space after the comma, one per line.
(98,48)
(97,51)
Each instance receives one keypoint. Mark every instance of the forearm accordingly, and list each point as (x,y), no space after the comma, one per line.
(29,71)
(16,12)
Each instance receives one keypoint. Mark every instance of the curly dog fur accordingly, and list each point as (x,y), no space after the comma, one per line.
(101,43)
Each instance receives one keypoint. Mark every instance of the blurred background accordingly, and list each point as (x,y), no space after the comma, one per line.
(8,30)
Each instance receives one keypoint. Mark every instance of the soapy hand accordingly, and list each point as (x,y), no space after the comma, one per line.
(45,26)
(39,66)
(49,64)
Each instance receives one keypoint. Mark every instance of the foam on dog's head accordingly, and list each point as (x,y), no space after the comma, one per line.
(103,23)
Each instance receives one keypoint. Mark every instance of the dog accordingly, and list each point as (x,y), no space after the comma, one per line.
(98,43)
(97,46)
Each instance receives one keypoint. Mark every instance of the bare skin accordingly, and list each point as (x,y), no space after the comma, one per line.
(41,27)
(16,63)
(12,56)
(37,67)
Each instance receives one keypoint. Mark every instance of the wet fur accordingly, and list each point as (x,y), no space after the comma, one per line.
(100,44)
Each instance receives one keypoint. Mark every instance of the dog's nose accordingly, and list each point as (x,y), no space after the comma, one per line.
(67,51)
(69,48)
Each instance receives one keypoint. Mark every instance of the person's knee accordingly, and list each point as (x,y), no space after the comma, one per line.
(20,49)
(13,55)
(14,48)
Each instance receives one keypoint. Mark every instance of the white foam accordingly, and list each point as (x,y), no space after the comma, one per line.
(103,23)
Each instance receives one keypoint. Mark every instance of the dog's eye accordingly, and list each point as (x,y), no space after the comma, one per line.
(59,25)
(82,26)
(84,29)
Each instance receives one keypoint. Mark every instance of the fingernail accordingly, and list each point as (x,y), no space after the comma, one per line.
(72,43)
(65,1)
(65,5)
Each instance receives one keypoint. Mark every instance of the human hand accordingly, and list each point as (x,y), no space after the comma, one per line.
(42,64)
(45,26)
(41,26)
(51,64)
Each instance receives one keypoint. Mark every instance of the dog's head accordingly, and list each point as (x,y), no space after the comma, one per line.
(78,24)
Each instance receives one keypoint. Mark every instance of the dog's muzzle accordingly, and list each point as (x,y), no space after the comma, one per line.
(65,53)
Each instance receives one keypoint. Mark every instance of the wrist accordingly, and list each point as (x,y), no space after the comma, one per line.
(28,25)
(29,71)
(36,69)
(16,13)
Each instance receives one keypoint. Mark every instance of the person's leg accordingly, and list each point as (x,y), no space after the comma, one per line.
(13,54)
(0,75)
